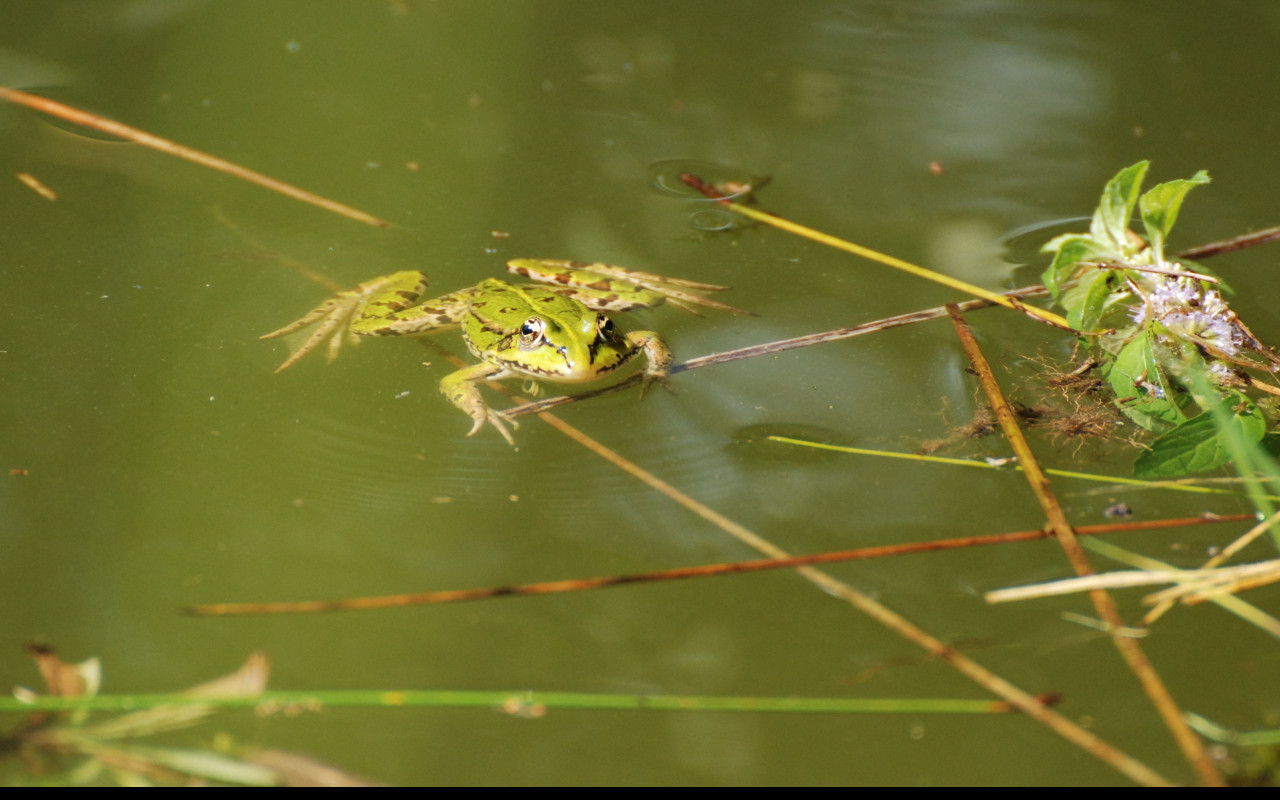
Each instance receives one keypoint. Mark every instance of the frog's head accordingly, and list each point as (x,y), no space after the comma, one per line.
(571,349)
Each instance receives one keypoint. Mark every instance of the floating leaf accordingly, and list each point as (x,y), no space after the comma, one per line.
(1196,446)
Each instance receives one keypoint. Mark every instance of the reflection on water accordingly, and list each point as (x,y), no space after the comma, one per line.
(356,468)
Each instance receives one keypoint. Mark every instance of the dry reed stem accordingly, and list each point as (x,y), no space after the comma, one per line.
(679,573)
(79,117)
(1203,585)
(1227,552)
(1227,245)
(1190,744)
(1188,580)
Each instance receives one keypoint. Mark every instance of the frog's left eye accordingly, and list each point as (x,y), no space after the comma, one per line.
(604,327)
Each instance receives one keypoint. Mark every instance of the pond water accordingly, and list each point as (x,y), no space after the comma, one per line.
(164,464)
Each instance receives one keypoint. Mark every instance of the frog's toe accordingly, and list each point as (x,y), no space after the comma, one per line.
(650,380)
(498,420)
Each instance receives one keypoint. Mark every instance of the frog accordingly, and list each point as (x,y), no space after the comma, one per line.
(553,329)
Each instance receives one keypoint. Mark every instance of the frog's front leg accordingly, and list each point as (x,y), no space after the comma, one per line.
(658,356)
(462,389)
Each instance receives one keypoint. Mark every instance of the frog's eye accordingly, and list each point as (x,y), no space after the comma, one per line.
(604,327)
(531,330)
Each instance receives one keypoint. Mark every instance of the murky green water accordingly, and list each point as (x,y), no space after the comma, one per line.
(166,464)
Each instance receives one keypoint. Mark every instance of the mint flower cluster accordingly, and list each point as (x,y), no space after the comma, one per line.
(1186,310)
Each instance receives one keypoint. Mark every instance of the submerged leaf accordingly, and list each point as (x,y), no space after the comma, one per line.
(207,764)
(249,680)
(63,679)
(146,722)
(298,769)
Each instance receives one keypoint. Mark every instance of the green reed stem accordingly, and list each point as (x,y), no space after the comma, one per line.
(519,703)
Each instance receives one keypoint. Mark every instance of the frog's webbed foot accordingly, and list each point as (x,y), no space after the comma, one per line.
(377,299)
(334,315)
(462,389)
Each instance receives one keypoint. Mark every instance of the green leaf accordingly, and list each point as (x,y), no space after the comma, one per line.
(1069,250)
(1115,209)
(1196,446)
(1086,301)
(1142,389)
(1160,208)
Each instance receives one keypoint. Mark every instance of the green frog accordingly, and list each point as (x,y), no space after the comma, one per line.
(554,332)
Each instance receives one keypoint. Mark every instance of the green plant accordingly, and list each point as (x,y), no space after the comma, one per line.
(1154,321)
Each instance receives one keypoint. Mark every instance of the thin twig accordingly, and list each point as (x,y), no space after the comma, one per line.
(704,571)
(1175,273)
(524,703)
(1205,585)
(145,139)
(1190,580)
(1227,552)
(1227,245)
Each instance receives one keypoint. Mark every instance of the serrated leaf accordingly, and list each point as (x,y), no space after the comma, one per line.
(1160,207)
(1069,250)
(1086,301)
(1195,446)
(1115,209)
(1142,389)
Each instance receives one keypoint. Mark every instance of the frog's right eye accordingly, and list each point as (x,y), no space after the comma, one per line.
(531,329)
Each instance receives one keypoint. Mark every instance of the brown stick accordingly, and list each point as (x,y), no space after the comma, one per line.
(79,117)
(681,573)
(1227,245)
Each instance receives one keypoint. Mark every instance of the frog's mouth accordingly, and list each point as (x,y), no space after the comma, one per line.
(581,370)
